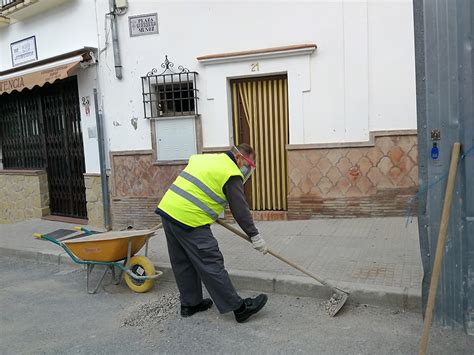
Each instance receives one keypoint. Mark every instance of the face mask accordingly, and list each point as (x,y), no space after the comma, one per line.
(247,169)
(246,172)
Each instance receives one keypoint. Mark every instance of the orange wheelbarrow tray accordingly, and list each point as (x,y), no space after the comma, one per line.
(113,250)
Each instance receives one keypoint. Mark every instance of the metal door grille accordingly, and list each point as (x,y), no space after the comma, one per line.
(40,129)
(21,133)
(64,150)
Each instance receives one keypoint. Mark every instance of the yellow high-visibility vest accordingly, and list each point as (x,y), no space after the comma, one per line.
(196,197)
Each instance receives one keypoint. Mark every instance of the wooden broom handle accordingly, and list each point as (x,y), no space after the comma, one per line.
(278,256)
(448,197)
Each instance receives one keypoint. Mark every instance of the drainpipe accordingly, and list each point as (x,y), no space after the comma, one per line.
(103,172)
(115,41)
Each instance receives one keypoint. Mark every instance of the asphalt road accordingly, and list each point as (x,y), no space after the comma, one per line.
(45,310)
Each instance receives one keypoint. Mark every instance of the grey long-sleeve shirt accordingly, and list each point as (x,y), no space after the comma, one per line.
(234,191)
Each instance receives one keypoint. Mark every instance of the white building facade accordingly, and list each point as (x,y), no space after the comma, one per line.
(324,90)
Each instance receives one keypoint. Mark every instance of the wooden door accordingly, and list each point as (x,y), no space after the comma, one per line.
(260,118)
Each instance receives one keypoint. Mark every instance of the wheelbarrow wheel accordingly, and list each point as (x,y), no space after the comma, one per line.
(141,266)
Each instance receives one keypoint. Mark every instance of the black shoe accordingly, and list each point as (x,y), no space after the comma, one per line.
(188,311)
(250,307)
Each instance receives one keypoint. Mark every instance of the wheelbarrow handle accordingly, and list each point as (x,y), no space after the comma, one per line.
(155,228)
(82,229)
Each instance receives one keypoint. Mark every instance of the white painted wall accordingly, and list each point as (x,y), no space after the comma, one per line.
(60,30)
(361,77)
(217,93)
(65,28)
(392,65)
(87,81)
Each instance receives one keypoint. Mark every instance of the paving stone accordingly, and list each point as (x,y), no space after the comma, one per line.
(364,251)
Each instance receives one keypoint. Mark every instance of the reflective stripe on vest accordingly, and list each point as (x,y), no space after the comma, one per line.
(196,197)
(203,188)
(194,200)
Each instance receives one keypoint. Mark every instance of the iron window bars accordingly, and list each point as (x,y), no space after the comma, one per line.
(9,3)
(169,93)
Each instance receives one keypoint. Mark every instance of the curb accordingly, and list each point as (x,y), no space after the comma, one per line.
(385,296)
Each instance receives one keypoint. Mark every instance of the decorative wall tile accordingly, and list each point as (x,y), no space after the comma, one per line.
(347,173)
(366,181)
(374,155)
(137,176)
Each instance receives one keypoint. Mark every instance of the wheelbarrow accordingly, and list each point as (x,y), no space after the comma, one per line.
(114,250)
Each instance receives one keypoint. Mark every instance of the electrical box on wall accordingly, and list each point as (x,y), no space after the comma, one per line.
(121,3)
(176,138)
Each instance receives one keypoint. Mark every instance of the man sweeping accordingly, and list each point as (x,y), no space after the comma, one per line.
(192,203)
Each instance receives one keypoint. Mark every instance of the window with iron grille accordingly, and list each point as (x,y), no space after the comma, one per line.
(173,99)
(170,100)
(169,93)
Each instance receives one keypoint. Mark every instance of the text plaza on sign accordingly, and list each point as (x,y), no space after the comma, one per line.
(147,24)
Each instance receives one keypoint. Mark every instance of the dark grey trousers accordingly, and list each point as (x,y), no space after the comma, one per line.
(195,256)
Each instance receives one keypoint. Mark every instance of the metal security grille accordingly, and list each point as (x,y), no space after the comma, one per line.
(260,111)
(8,3)
(169,93)
(64,149)
(40,129)
(20,127)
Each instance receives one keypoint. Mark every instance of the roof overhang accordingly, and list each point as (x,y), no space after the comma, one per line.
(263,53)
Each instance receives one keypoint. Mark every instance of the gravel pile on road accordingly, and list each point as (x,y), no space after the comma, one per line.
(153,313)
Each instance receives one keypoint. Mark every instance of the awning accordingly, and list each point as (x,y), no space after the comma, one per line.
(40,74)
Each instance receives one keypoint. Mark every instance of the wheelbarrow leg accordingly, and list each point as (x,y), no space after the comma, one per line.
(116,278)
(129,250)
(90,267)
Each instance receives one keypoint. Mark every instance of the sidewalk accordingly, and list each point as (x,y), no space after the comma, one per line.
(376,259)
